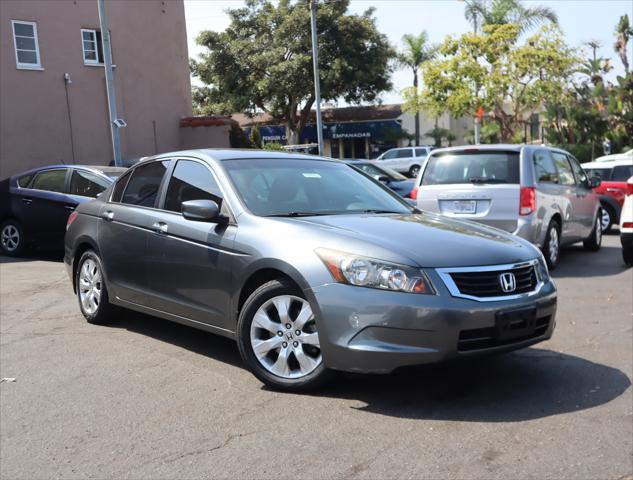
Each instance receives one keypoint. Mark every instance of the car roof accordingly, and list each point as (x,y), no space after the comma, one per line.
(614,163)
(221,154)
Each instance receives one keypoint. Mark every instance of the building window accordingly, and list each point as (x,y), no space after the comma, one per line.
(92,46)
(27,50)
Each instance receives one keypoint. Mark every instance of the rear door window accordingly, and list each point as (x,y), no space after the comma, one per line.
(565,174)
(87,184)
(421,152)
(544,167)
(24,181)
(601,173)
(50,180)
(142,188)
(472,167)
(404,153)
(191,181)
(622,173)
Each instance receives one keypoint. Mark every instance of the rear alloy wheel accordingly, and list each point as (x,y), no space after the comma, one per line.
(594,241)
(278,338)
(11,238)
(91,289)
(551,246)
(606,220)
(414,170)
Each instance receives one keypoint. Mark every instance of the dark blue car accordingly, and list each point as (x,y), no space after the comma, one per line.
(390,178)
(35,205)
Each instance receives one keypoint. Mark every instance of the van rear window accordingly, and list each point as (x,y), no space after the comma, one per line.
(472,167)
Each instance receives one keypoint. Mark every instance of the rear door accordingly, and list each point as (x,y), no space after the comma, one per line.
(473,184)
(567,197)
(124,227)
(190,261)
(44,206)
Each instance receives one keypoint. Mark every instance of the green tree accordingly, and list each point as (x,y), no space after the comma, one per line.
(509,80)
(255,137)
(502,12)
(417,50)
(263,60)
(623,33)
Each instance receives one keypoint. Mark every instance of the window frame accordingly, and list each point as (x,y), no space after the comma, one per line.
(556,180)
(78,171)
(565,157)
(161,185)
(93,32)
(18,64)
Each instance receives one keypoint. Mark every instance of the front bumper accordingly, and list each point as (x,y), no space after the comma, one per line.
(368,330)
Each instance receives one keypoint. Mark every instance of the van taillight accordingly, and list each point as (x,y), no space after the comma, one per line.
(414,193)
(527,203)
(629,189)
(71,219)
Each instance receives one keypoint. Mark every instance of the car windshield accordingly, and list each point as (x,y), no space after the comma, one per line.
(475,166)
(377,172)
(301,187)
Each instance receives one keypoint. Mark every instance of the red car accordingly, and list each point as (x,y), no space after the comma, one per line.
(612,189)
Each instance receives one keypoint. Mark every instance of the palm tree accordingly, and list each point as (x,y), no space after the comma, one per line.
(623,32)
(416,51)
(499,12)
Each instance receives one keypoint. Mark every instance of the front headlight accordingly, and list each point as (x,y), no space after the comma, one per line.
(369,272)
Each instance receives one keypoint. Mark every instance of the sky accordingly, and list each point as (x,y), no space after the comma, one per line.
(580,20)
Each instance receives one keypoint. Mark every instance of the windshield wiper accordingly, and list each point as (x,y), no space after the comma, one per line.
(375,210)
(298,214)
(486,180)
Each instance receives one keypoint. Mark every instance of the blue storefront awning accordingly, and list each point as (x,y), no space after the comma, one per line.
(373,130)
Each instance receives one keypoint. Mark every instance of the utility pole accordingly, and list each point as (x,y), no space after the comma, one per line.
(317,81)
(115,122)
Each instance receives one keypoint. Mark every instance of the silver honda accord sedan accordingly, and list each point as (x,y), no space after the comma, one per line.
(308,263)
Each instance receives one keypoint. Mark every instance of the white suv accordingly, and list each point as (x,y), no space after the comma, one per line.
(407,160)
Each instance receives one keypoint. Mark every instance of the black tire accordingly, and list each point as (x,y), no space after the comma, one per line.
(105,310)
(414,170)
(267,291)
(12,240)
(627,255)
(552,257)
(607,212)
(594,241)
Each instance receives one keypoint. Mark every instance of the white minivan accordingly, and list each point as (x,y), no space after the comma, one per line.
(407,160)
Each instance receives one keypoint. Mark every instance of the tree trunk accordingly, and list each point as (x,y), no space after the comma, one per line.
(292,135)
(417,113)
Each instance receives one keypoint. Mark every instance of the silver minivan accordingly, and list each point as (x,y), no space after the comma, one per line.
(536,192)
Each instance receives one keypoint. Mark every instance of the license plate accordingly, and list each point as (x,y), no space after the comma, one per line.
(464,206)
(515,323)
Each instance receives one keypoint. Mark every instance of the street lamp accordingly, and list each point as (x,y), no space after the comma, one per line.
(317,81)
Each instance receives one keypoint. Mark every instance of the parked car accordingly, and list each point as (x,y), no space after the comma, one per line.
(407,160)
(626,225)
(392,179)
(628,155)
(34,205)
(309,265)
(538,193)
(613,176)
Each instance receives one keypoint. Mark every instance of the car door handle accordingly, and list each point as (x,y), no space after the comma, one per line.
(107,215)
(160,227)
(27,201)
(70,208)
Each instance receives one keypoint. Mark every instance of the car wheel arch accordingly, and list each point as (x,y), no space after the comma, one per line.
(261,273)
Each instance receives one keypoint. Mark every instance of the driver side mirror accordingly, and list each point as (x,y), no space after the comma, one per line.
(383,179)
(202,211)
(594,182)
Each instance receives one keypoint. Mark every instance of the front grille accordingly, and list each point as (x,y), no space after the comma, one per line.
(481,338)
(487,283)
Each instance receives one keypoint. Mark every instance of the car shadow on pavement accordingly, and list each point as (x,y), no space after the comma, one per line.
(575,261)
(524,385)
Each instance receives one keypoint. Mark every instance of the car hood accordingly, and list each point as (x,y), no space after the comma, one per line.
(427,240)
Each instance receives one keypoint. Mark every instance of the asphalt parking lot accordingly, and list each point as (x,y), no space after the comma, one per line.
(145,398)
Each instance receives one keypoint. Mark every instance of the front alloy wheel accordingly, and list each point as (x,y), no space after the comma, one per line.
(278,338)
(414,171)
(551,247)
(91,289)
(606,220)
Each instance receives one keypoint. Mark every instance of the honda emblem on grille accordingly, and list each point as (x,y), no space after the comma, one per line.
(508,282)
